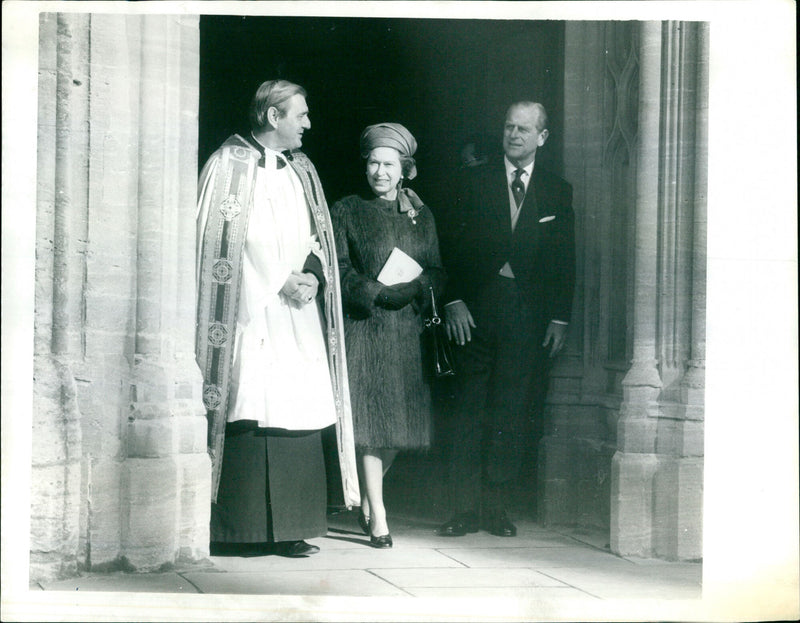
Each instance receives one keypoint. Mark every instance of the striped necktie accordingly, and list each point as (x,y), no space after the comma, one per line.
(517,187)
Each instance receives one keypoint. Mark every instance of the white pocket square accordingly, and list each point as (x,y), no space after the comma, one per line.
(546,219)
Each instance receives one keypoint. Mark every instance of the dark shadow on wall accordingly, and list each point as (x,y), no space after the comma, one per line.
(446,80)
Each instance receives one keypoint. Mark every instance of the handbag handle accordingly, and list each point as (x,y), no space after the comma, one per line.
(434,319)
(439,344)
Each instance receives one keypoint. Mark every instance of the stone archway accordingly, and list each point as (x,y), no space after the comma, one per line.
(120,471)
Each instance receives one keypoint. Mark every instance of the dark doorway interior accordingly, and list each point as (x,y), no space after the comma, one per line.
(447,80)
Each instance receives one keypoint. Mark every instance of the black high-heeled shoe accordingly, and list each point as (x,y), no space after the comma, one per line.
(381,542)
(363,521)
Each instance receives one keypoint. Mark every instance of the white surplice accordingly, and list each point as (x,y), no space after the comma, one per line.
(280,374)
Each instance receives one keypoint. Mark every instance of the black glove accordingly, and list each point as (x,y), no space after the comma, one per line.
(398,296)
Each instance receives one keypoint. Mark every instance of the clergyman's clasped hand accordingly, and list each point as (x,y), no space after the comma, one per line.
(398,296)
(300,288)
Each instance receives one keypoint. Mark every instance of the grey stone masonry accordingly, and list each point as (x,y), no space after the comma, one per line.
(120,470)
(623,445)
(657,484)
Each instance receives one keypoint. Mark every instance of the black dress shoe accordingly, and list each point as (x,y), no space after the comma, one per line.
(459,525)
(381,542)
(499,524)
(363,521)
(294,549)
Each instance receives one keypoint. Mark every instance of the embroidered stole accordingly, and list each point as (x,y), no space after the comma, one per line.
(220,260)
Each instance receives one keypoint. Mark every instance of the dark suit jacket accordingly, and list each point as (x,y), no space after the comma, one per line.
(476,239)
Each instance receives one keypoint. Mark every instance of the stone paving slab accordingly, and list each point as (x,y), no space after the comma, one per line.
(599,539)
(338,538)
(347,523)
(427,525)
(336,582)
(543,593)
(125,582)
(484,540)
(636,583)
(420,540)
(524,538)
(665,564)
(468,578)
(537,557)
(537,566)
(351,558)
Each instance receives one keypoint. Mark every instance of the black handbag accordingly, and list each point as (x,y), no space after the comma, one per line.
(440,356)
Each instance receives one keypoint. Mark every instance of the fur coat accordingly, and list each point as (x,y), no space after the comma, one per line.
(389,388)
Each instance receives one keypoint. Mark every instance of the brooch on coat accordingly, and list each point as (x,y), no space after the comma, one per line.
(406,205)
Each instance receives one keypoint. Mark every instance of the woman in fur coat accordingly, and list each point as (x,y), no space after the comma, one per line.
(383,323)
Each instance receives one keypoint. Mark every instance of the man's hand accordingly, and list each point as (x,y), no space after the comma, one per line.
(457,322)
(557,334)
(300,287)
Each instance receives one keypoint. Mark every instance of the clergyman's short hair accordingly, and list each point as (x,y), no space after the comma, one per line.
(271,93)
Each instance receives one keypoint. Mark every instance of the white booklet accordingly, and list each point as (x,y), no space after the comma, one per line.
(399,268)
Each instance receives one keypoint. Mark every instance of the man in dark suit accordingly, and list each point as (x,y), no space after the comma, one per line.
(508,246)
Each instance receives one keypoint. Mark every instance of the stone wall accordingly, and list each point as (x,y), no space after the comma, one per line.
(623,449)
(120,470)
(656,506)
(601,83)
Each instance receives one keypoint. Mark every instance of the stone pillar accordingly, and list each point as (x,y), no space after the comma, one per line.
(679,488)
(657,470)
(166,431)
(634,463)
(693,382)
(120,473)
(60,225)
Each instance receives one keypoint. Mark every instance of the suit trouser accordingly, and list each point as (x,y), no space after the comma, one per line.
(499,373)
